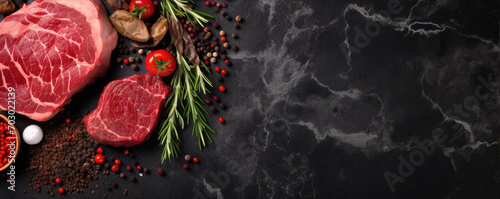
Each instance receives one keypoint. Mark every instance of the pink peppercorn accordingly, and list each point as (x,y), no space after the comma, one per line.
(160,171)
(207,3)
(185,166)
(206,29)
(216,98)
(129,168)
(218,5)
(207,101)
(224,4)
(212,3)
(227,62)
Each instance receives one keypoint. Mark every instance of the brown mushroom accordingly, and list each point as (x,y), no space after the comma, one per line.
(157,32)
(129,26)
(119,4)
(7,6)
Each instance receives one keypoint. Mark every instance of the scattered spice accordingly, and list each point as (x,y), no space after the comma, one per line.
(187,157)
(185,166)
(238,18)
(195,159)
(213,109)
(207,101)
(236,26)
(223,72)
(216,98)
(160,171)
(69,161)
(222,105)
(134,67)
(221,120)
(118,60)
(141,51)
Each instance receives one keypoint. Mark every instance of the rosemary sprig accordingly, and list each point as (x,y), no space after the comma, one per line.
(187,82)
(180,8)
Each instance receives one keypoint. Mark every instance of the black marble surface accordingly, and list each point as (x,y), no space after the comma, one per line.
(333,99)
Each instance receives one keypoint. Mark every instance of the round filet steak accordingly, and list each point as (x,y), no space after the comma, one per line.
(51,49)
(127,111)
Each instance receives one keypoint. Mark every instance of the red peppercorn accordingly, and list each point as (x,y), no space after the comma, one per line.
(118,162)
(223,38)
(195,159)
(191,35)
(126,152)
(185,166)
(222,88)
(212,45)
(60,190)
(37,185)
(212,3)
(115,168)
(100,150)
(99,159)
(216,98)
(58,180)
(139,167)
(159,171)
(125,61)
(206,62)
(227,62)
(207,101)
(217,68)
(68,121)
(69,137)
(221,120)
(223,72)
(129,168)
(207,3)
(224,4)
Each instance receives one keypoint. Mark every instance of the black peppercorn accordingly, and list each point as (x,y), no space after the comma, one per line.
(222,105)
(235,48)
(236,25)
(217,10)
(213,109)
(223,13)
(228,17)
(127,52)
(219,78)
(132,179)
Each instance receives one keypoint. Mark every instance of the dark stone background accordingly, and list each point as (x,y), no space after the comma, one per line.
(312,117)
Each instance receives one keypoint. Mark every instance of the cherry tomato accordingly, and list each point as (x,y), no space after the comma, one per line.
(161,63)
(141,9)
(99,159)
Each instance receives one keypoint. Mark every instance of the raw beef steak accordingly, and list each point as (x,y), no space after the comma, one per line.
(128,110)
(51,49)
